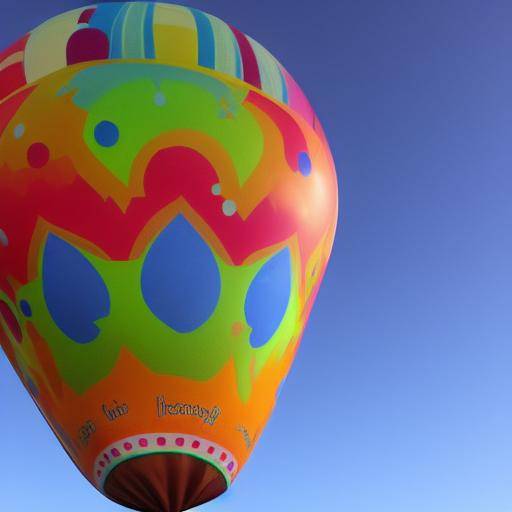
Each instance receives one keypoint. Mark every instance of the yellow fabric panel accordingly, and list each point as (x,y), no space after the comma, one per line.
(175,44)
(46,48)
(174,15)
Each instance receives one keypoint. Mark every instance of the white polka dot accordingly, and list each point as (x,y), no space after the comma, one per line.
(3,238)
(216,189)
(229,207)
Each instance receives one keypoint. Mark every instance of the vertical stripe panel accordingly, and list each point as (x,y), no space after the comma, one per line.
(271,78)
(205,39)
(249,62)
(149,38)
(297,98)
(133,33)
(226,49)
(284,86)
(104,17)
(116,34)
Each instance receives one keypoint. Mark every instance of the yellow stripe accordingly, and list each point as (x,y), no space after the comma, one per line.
(174,15)
(176,44)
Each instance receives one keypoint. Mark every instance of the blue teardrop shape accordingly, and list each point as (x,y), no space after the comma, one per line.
(74,291)
(180,278)
(267,298)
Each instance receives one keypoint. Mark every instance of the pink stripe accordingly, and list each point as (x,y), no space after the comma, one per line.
(86,16)
(297,99)
(249,61)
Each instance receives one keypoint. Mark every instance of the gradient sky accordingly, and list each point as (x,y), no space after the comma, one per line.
(400,397)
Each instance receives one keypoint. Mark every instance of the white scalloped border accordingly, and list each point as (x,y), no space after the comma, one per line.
(163,442)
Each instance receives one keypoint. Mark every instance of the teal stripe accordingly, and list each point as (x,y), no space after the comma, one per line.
(285,87)
(104,17)
(133,31)
(116,36)
(149,39)
(206,42)
(238,57)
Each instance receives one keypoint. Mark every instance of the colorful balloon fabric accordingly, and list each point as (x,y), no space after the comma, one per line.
(168,203)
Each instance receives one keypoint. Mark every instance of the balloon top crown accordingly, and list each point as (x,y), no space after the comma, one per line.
(166,33)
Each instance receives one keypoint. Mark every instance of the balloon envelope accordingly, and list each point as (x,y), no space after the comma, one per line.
(168,203)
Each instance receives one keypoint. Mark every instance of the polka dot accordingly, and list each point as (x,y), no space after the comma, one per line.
(38,155)
(106,457)
(25,308)
(160,441)
(223,457)
(211,450)
(160,99)
(196,445)
(216,189)
(19,130)
(180,441)
(102,463)
(3,238)
(231,465)
(106,134)
(128,446)
(98,473)
(115,452)
(304,163)
(143,442)
(228,207)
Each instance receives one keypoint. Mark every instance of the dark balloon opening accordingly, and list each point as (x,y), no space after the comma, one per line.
(164,482)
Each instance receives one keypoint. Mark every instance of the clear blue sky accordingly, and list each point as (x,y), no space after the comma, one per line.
(404,377)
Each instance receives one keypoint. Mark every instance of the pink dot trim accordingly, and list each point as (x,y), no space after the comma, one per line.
(128,446)
(180,441)
(143,442)
(161,441)
(196,445)
(115,452)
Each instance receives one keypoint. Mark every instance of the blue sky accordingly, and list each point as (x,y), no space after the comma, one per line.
(400,396)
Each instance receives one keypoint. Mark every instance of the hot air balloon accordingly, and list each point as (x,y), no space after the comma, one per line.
(168,203)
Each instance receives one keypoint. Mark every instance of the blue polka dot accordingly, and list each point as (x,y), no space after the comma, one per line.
(160,99)
(19,130)
(304,163)
(106,134)
(25,308)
